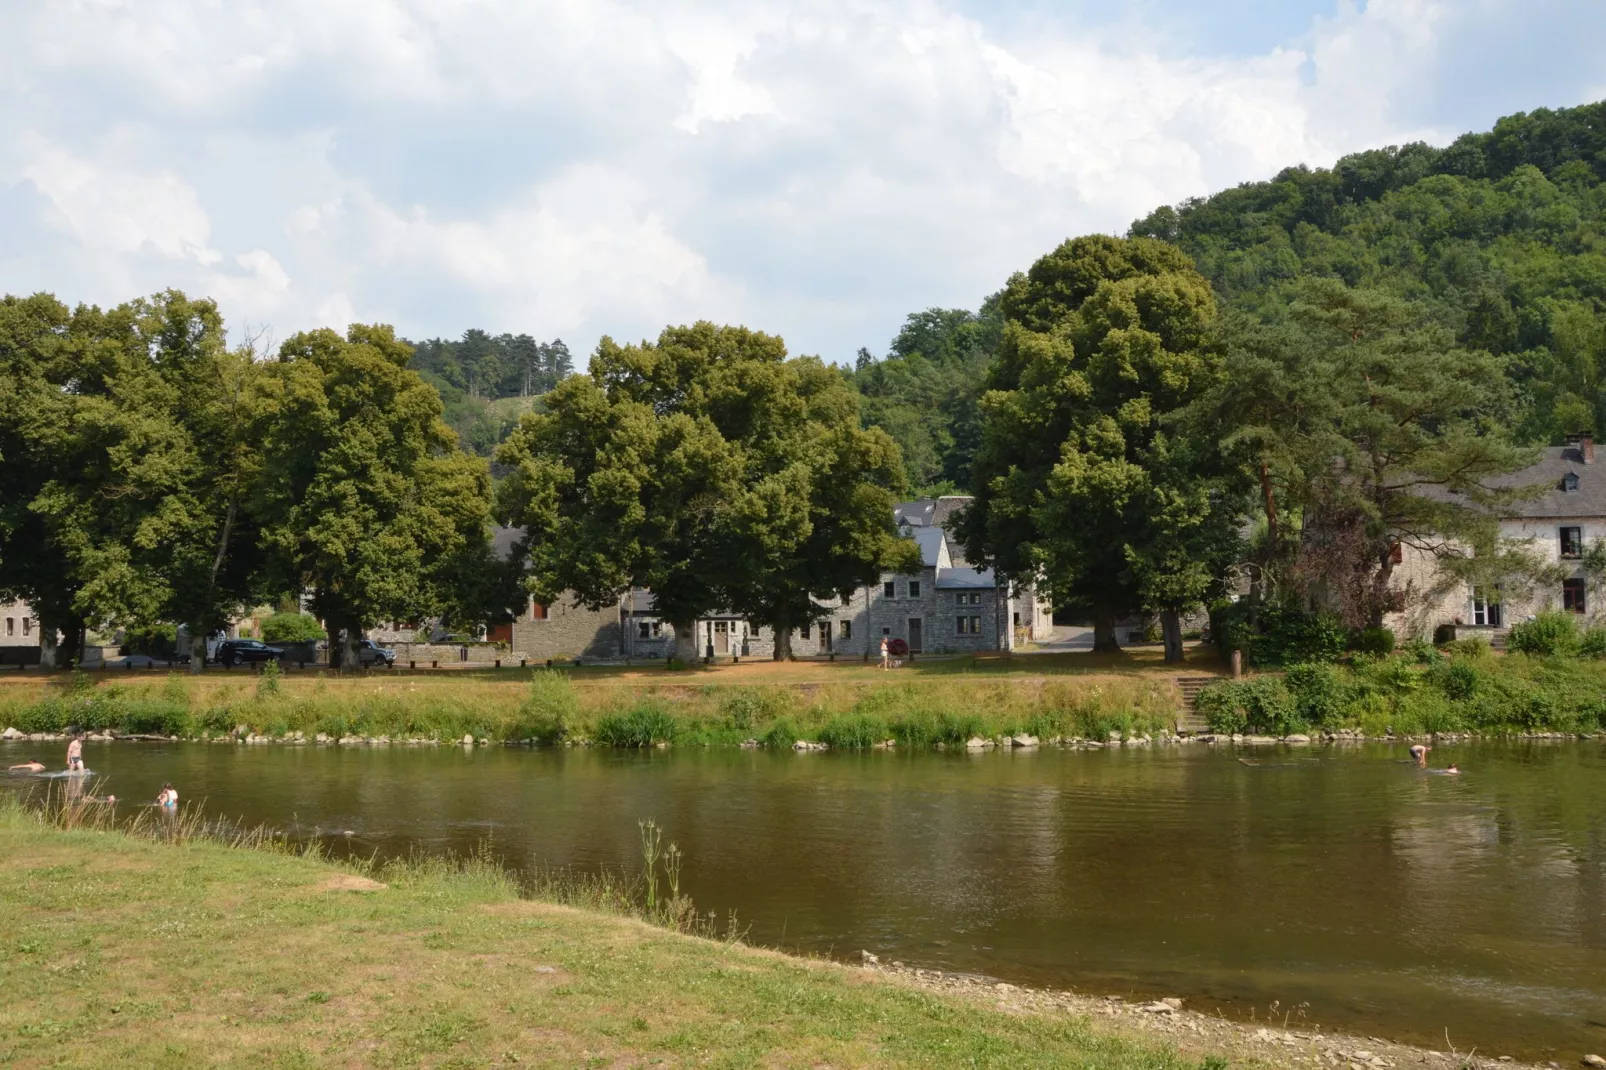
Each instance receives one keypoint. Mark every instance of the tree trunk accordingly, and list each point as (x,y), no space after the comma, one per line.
(49,651)
(1270,501)
(1171,628)
(72,647)
(197,649)
(783,638)
(1104,641)
(348,650)
(685,641)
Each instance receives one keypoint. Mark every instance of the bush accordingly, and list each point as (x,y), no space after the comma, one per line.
(548,709)
(291,628)
(1289,635)
(1546,635)
(1261,704)
(854,731)
(923,728)
(783,733)
(648,724)
(1319,694)
(1592,644)
(1378,641)
(1474,646)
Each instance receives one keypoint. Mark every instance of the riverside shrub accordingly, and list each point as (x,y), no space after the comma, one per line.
(549,708)
(644,726)
(1547,634)
(853,731)
(1290,635)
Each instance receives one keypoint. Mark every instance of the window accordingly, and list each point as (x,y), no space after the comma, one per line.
(1572,542)
(962,625)
(537,610)
(889,589)
(844,629)
(1397,554)
(1017,618)
(1572,596)
(804,631)
(975,598)
(959,599)
(975,625)
(11,625)
(643,630)
(1569,482)
(27,623)
(914,588)
(1486,607)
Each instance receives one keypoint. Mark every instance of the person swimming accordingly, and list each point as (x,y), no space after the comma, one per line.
(32,765)
(167,798)
(75,754)
(1452,770)
(1419,754)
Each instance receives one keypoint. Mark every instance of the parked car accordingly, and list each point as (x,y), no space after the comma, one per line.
(232,652)
(371,653)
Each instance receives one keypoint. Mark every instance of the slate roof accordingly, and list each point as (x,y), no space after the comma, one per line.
(930,542)
(1589,500)
(503,540)
(934,513)
(950,578)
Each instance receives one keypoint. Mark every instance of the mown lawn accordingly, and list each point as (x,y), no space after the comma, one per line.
(117,951)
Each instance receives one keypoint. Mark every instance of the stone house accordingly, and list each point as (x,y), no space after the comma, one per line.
(19,634)
(947,607)
(1558,527)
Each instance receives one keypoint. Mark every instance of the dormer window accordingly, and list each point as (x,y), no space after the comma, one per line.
(1569,482)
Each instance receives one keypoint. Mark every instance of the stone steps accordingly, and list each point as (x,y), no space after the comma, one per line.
(1188,687)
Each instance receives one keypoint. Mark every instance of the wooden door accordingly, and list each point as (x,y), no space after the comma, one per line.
(722,637)
(916,646)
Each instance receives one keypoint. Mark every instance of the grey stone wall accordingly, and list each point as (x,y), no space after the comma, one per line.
(570,630)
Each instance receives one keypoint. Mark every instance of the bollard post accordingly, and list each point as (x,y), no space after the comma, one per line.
(434,664)
(498,663)
(1237,664)
(412,664)
(522,662)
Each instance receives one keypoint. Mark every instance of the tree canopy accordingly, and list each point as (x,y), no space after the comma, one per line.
(1082,483)
(709,469)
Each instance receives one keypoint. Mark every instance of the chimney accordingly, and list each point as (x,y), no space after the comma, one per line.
(1585,443)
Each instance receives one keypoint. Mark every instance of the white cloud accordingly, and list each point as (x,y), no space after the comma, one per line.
(589,166)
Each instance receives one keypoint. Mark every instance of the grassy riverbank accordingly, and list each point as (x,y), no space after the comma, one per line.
(119,951)
(1470,690)
(848,706)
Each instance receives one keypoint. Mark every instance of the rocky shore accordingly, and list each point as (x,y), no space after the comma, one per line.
(1202,1034)
(244,735)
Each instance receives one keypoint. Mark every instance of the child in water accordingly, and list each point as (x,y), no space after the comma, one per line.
(167,798)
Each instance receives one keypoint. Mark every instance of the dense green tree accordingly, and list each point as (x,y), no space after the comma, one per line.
(107,504)
(708,469)
(365,500)
(1083,483)
(925,393)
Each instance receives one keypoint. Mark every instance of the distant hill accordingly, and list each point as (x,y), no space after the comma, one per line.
(1501,235)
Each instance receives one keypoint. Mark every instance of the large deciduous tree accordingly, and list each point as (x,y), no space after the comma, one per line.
(710,470)
(365,500)
(1085,481)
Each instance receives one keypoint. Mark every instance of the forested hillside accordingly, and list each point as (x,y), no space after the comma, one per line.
(486,381)
(924,393)
(1500,237)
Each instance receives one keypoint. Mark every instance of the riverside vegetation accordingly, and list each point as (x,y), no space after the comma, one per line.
(1554,680)
(553,706)
(208,954)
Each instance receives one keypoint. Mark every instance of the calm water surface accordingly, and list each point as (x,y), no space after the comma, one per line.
(1344,885)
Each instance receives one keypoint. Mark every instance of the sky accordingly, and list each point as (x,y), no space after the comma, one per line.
(818,169)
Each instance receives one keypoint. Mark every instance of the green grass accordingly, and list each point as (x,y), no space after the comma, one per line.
(116,950)
(853,710)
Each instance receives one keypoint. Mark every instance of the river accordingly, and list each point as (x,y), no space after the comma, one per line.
(1334,886)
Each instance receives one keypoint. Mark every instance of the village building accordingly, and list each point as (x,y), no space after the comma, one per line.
(947,607)
(19,634)
(1558,526)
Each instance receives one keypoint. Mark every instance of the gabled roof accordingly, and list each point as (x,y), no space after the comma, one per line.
(930,541)
(1550,474)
